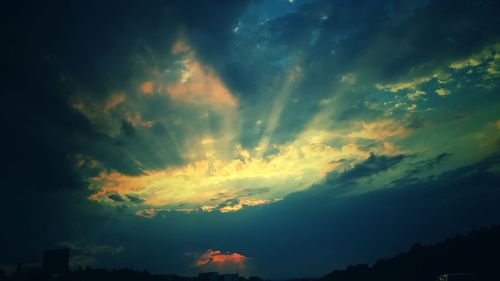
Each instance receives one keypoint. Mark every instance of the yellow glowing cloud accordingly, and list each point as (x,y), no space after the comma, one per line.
(209,182)
(240,205)
(405,85)
(442,92)
(415,95)
(440,76)
(465,63)
(491,51)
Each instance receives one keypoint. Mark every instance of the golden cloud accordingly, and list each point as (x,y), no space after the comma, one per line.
(207,183)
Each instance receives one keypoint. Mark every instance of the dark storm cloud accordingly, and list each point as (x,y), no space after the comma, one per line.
(371,166)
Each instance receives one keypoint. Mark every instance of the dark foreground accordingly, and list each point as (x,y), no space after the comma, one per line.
(477,253)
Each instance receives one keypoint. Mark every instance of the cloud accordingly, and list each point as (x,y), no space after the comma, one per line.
(442,92)
(415,95)
(198,84)
(220,261)
(236,205)
(371,166)
(115,197)
(133,198)
(88,254)
(147,213)
(147,87)
(114,101)
(136,120)
(425,165)
(405,85)
(292,167)
(379,130)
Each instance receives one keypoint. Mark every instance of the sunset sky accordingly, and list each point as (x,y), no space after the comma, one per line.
(279,138)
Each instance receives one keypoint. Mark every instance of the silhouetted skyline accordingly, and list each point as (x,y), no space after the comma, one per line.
(476,253)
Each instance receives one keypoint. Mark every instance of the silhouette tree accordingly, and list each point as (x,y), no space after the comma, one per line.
(477,253)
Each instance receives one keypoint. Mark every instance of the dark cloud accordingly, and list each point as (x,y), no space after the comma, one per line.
(134,198)
(371,166)
(427,164)
(115,197)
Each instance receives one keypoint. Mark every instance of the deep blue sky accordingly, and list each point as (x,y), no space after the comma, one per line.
(274,138)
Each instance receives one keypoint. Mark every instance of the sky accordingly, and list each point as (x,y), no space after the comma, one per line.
(273,138)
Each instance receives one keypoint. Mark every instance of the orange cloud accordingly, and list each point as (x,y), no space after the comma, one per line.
(114,101)
(147,87)
(221,261)
(199,84)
